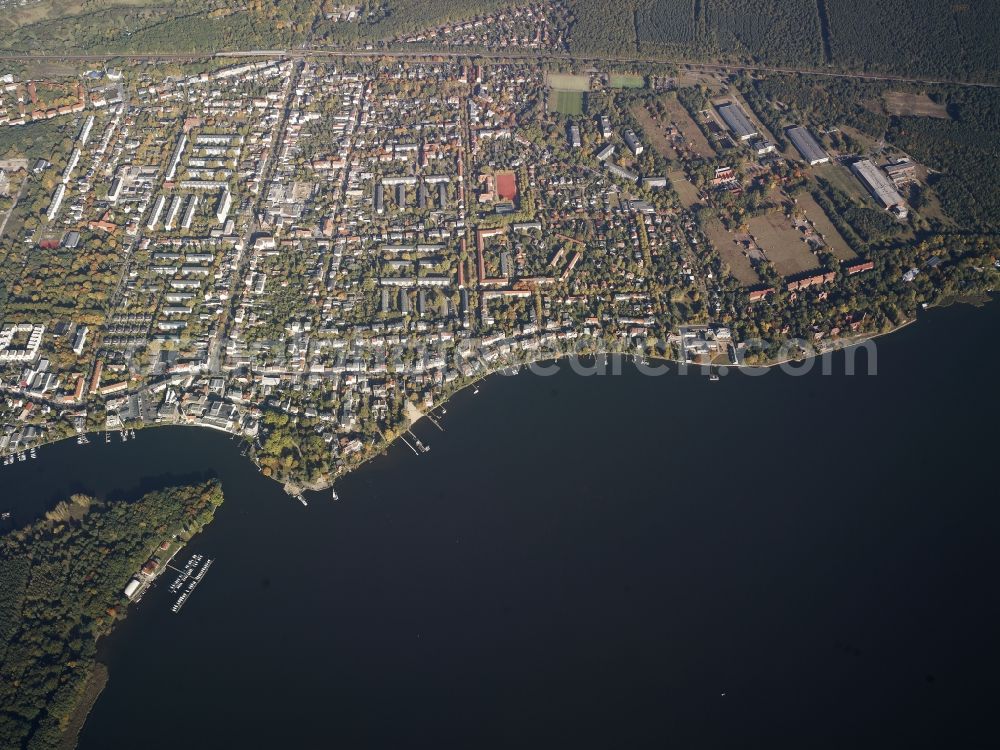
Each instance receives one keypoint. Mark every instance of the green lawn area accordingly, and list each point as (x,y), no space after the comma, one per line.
(627,81)
(840,177)
(568,82)
(566,102)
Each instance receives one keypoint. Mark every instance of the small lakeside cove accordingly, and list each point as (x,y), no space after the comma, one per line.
(591,561)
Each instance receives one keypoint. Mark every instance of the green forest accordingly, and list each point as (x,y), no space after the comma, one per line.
(959,150)
(61,584)
(963,150)
(908,37)
(772,31)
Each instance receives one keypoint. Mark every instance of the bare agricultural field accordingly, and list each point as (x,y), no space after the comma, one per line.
(695,77)
(782,243)
(568,82)
(687,192)
(732,253)
(919,105)
(689,129)
(653,131)
(833,239)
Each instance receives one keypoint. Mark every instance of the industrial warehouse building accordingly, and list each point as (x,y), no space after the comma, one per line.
(880,186)
(902,173)
(738,122)
(807,145)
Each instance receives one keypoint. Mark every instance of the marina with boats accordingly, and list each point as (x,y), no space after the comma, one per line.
(188,579)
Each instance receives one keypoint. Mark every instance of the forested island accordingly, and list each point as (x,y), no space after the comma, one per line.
(61,589)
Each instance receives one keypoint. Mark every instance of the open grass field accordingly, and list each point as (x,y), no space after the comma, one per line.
(687,192)
(782,243)
(834,240)
(732,253)
(918,105)
(689,129)
(711,81)
(567,93)
(16,15)
(620,81)
(566,102)
(652,131)
(932,209)
(568,82)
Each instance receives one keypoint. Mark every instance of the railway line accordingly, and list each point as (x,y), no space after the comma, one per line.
(506,56)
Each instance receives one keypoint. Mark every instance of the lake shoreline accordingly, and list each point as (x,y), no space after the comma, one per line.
(558,513)
(293,488)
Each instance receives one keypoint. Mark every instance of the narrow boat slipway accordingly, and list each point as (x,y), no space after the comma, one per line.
(604,561)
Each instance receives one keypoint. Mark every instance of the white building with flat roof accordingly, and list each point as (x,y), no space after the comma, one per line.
(80,340)
(633,142)
(57,199)
(880,186)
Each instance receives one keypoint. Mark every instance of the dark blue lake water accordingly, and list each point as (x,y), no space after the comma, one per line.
(591,562)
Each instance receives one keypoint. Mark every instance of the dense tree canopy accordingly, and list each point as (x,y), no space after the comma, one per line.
(61,583)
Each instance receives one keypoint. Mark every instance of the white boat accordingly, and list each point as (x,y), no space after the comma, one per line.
(335,495)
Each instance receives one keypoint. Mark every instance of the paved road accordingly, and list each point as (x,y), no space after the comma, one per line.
(319,52)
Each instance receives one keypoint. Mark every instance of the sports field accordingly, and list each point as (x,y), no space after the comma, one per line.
(566,102)
(568,82)
(507,185)
(627,81)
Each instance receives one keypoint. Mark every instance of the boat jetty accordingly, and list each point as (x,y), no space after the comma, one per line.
(188,580)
